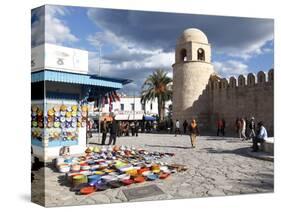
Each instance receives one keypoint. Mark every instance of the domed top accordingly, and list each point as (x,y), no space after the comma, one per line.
(194,35)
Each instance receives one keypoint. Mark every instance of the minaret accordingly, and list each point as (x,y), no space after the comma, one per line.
(191,73)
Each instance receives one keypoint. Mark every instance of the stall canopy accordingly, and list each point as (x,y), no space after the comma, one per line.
(99,85)
(78,78)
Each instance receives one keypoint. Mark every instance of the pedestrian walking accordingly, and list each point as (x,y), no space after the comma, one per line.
(252,128)
(133,128)
(194,132)
(113,131)
(238,124)
(103,131)
(260,137)
(185,124)
(223,127)
(243,129)
(171,126)
(177,130)
(219,126)
(137,126)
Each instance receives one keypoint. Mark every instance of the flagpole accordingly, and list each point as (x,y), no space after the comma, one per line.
(99,45)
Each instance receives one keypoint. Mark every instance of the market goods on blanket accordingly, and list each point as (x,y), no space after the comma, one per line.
(112,167)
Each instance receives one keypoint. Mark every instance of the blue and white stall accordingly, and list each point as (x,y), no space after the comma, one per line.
(60,85)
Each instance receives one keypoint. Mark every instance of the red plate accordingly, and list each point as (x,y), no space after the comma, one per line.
(128,182)
(87,190)
(139,179)
(164,175)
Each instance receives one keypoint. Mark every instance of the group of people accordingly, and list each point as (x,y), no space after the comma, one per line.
(117,129)
(248,130)
(192,128)
(112,128)
(125,127)
(245,129)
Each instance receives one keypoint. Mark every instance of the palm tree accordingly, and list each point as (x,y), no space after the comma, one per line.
(157,85)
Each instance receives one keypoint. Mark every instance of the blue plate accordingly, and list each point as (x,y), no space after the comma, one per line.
(152,177)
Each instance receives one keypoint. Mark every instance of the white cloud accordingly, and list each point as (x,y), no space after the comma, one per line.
(49,28)
(230,68)
(126,55)
(56,31)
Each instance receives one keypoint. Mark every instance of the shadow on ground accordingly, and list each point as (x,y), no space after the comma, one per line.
(161,146)
(240,151)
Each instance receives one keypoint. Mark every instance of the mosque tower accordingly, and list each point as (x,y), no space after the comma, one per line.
(191,72)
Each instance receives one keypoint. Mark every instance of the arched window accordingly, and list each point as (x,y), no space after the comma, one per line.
(183,55)
(200,54)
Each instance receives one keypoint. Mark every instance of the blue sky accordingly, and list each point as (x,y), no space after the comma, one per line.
(135,43)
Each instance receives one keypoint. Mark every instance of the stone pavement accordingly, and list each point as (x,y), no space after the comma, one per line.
(216,167)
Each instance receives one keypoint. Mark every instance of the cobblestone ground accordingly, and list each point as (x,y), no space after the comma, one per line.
(216,167)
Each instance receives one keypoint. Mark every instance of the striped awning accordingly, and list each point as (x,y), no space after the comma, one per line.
(77,78)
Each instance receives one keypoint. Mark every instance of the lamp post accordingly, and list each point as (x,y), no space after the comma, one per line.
(98,44)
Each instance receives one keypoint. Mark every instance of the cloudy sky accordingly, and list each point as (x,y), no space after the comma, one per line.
(135,43)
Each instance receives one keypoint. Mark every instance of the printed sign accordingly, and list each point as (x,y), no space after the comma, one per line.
(49,56)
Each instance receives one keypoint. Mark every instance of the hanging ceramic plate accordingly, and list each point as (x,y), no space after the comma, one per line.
(84,114)
(63,107)
(79,114)
(40,112)
(56,124)
(84,108)
(62,125)
(69,109)
(74,113)
(63,113)
(51,112)
(34,124)
(40,124)
(74,107)
(74,124)
(34,108)
(68,119)
(57,108)
(50,124)
(68,114)
(57,119)
(62,119)
(57,114)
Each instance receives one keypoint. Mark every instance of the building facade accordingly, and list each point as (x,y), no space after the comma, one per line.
(198,92)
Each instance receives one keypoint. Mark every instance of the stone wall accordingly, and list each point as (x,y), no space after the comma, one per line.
(242,96)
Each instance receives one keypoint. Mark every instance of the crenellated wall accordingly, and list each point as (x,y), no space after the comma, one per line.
(242,96)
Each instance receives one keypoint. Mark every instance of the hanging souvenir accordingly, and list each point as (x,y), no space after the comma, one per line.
(56,108)
(63,107)
(51,112)
(62,119)
(74,113)
(69,109)
(56,124)
(74,107)
(39,112)
(34,108)
(84,108)
(68,114)
(63,113)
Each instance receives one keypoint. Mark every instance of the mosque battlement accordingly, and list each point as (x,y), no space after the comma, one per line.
(242,81)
